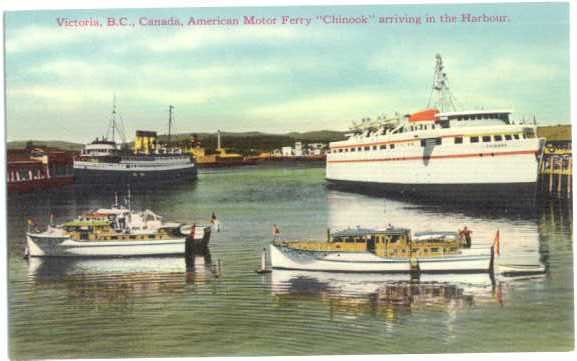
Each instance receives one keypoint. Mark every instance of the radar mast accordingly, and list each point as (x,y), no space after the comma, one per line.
(441,96)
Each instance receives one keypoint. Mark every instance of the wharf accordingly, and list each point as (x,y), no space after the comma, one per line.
(556,168)
(556,174)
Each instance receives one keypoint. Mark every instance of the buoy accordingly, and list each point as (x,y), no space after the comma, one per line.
(263,268)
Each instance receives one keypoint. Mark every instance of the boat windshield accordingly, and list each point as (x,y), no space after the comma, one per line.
(435,236)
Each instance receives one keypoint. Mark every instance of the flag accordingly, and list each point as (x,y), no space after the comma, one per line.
(496,244)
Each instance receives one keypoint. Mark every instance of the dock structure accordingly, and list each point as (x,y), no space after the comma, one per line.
(556,169)
(556,174)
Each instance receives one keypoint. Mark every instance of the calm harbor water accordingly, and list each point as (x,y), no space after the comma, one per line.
(148,307)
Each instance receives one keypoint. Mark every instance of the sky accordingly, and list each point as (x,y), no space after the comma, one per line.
(61,81)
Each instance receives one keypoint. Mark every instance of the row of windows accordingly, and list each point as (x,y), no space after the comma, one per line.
(488,138)
(365,148)
(112,238)
(500,116)
(434,141)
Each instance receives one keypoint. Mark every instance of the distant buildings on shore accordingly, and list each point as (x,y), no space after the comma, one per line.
(301,150)
(38,168)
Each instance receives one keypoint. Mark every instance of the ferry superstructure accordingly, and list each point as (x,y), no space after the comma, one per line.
(105,161)
(476,155)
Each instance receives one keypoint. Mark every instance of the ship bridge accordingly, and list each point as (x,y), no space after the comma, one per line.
(473,118)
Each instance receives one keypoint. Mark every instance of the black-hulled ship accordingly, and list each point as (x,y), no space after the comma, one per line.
(106,161)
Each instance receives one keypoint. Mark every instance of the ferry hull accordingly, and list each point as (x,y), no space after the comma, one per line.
(99,177)
(42,245)
(479,173)
(518,195)
(285,258)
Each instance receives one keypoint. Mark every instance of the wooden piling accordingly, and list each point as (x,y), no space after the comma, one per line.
(556,172)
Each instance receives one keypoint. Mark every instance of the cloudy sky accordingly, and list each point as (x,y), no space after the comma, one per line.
(60,81)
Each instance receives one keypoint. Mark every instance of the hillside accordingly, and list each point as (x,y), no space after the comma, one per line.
(250,143)
(247,143)
(20,144)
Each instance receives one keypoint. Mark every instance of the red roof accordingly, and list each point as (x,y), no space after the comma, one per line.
(424,115)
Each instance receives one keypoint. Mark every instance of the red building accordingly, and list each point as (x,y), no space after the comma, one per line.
(34,169)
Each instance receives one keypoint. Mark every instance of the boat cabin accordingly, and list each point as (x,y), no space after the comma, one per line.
(119,224)
(389,242)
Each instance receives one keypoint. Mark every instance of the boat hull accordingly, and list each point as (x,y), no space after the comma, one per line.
(47,245)
(483,173)
(471,261)
(115,176)
(522,195)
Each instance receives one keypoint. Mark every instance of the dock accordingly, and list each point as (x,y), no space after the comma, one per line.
(556,168)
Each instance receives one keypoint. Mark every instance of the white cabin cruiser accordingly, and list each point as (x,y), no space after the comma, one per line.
(116,232)
(390,250)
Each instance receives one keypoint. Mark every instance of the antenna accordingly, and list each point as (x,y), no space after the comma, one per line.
(444,100)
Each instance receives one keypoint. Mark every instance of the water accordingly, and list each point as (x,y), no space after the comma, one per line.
(154,307)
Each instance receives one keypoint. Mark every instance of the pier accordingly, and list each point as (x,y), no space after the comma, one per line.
(556,168)
(555,174)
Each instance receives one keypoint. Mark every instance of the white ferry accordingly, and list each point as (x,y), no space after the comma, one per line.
(105,161)
(475,155)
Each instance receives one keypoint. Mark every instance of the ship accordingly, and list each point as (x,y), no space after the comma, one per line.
(118,231)
(219,158)
(387,250)
(440,153)
(395,250)
(108,161)
(38,168)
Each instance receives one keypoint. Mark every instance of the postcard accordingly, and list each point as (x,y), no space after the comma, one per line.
(288,180)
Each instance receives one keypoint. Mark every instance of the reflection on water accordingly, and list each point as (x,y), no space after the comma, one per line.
(519,235)
(148,307)
(120,280)
(381,294)
(389,296)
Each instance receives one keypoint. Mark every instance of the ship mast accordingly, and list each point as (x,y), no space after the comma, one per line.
(114,125)
(441,96)
(113,118)
(170,108)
